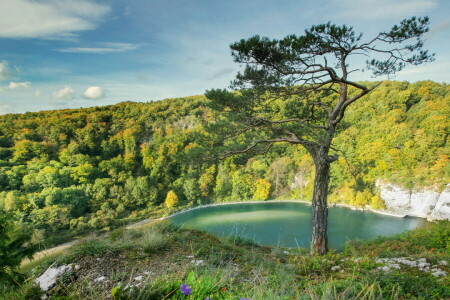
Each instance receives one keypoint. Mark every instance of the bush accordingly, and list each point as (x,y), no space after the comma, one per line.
(91,247)
(434,235)
(411,286)
(153,240)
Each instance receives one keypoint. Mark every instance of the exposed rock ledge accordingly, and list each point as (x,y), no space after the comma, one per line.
(426,203)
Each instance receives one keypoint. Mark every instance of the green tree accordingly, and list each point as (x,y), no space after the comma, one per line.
(74,197)
(84,173)
(139,191)
(206,181)
(191,189)
(297,89)
(278,174)
(14,245)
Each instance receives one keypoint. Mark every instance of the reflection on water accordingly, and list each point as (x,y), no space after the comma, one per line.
(253,216)
(289,224)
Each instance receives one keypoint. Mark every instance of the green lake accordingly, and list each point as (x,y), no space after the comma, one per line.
(288,224)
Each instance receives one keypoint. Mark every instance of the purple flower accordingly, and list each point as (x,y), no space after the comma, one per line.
(185,289)
(245,299)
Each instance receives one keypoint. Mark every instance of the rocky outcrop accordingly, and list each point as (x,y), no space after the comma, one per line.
(49,277)
(430,204)
(442,209)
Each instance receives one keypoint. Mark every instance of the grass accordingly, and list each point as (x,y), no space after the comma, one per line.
(152,262)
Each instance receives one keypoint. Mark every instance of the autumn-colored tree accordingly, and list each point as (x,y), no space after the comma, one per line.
(171,199)
(262,189)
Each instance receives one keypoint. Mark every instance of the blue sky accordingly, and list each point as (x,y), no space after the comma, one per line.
(66,54)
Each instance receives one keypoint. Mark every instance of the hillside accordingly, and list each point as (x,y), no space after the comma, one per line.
(160,261)
(73,171)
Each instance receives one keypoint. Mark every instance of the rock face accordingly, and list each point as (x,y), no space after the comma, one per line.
(428,204)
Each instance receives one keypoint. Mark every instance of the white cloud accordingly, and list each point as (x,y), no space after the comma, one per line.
(37,93)
(94,92)
(66,93)
(105,48)
(383,9)
(16,85)
(48,18)
(5,73)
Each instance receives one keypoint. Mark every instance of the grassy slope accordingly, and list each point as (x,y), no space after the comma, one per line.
(153,261)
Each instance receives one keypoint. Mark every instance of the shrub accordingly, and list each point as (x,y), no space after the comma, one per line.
(153,240)
(91,247)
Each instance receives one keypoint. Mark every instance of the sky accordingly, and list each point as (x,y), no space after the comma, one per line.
(57,54)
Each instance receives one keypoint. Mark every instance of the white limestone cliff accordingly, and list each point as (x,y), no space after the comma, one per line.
(426,203)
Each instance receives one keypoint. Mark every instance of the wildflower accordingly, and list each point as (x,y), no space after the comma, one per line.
(245,299)
(185,289)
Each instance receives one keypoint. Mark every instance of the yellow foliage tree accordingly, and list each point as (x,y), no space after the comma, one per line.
(171,199)
(262,189)
(377,203)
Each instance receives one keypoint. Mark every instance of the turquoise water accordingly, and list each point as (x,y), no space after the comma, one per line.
(289,224)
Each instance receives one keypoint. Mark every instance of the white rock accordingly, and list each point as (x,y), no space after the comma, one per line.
(394,266)
(426,203)
(443,263)
(394,197)
(138,278)
(335,268)
(407,262)
(49,277)
(100,279)
(423,265)
(197,262)
(441,210)
(438,273)
(422,203)
(384,269)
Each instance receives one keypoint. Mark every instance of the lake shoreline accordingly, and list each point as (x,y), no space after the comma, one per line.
(386,213)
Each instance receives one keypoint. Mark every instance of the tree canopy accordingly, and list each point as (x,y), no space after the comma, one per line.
(397,134)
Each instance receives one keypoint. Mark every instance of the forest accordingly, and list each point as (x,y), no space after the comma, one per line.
(78,170)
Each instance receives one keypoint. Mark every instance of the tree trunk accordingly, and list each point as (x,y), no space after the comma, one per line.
(319,242)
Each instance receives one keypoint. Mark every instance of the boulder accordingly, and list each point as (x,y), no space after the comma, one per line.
(49,277)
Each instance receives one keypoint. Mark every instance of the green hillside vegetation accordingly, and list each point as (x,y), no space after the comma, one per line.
(74,171)
(152,263)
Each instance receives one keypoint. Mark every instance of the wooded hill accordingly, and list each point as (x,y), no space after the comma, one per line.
(84,169)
